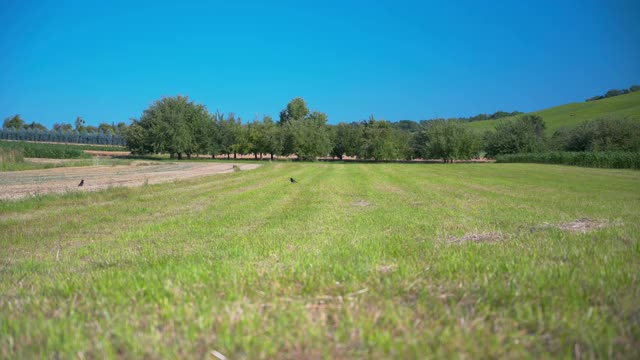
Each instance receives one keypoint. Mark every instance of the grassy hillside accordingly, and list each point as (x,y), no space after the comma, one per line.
(572,114)
(355,260)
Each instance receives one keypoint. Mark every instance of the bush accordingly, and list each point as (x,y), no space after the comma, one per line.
(612,160)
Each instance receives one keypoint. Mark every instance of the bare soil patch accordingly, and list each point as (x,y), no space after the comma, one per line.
(583,225)
(361,203)
(20,184)
(477,237)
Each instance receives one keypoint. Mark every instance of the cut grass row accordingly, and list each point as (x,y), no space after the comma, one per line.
(356,260)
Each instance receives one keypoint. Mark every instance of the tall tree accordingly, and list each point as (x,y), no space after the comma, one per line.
(526,134)
(296,110)
(271,137)
(311,137)
(380,141)
(62,127)
(107,128)
(347,139)
(447,140)
(36,126)
(79,124)
(13,122)
(172,125)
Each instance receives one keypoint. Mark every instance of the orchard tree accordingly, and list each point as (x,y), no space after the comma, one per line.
(79,124)
(296,109)
(62,127)
(106,128)
(271,142)
(524,135)
(303,133)
(311,136)
(13,122)
(171,125)
(36,126)
(446,140)
(347,139)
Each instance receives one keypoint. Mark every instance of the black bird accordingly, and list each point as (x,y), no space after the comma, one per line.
(292,180)
(81,183)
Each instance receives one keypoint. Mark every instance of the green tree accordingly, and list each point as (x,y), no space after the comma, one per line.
(79,124)
(13,122)
(36,126)
(91,129)
(599,135)
(62,127)
(379,141)
(347,139)
(171,125)
(296,110)
(304,134)
(242,143)
(106,128)
(271,141)
(446,140)
(524,135)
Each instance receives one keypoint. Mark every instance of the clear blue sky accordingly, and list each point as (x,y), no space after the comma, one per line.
(109,60)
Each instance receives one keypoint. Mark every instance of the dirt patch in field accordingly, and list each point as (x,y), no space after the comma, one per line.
(488,237)
(385,269)
(361,203)
(583,225)
(20,184)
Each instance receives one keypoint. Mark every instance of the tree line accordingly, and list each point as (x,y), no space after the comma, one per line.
(615,92)
(182,128)
(15,128)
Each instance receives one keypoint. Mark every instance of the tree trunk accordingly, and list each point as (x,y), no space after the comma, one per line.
(179,156)
(235,155)
(271,156)
(255,155)
(228,156)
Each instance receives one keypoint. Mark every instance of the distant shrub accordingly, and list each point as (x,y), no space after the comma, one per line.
(612,160)
(41,150)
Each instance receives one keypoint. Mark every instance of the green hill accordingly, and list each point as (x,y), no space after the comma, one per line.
(573,114)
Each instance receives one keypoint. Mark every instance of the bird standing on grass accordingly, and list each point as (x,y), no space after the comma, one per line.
(81,183)
(292,180)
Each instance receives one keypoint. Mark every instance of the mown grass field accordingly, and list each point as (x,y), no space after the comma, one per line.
(355,260)
(570,115)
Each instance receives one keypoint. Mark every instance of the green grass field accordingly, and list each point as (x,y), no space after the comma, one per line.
(570,115)
(355,260)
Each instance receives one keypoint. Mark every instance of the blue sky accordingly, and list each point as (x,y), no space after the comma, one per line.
(109,60)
